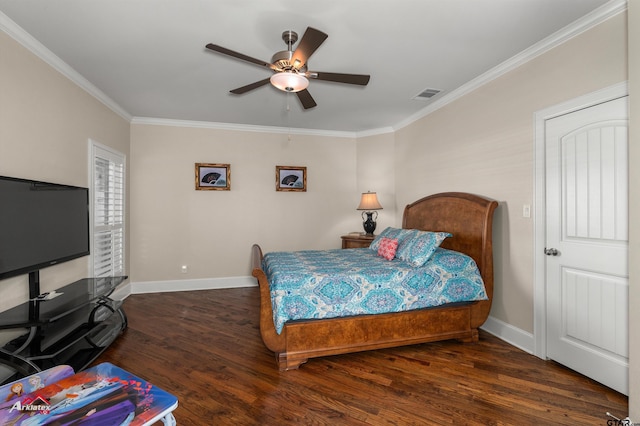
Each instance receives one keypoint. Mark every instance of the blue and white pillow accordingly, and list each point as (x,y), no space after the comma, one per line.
(418,246)
(391,233)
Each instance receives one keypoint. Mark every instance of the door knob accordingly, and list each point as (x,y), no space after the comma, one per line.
(551,252)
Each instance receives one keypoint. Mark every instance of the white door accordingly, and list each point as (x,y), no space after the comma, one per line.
(587,242)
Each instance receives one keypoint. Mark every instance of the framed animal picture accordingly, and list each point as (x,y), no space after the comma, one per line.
(213,177)
(289,178)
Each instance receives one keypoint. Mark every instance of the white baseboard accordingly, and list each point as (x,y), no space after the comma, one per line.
(510,334)
(189,285)
(141,287)
(121,292)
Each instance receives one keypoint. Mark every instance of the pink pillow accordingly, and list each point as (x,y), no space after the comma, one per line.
(387,248)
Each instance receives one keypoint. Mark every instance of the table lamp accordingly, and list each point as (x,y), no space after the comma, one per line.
(369,203)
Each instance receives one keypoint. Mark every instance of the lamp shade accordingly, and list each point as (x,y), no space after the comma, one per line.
(289,81)
(369,201)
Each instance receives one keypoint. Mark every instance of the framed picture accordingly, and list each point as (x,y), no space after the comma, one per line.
(291,178)
(213,177)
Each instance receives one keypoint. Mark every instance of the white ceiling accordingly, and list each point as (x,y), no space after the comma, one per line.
(149,58)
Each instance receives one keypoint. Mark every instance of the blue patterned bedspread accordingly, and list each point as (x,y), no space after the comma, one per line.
(334,283)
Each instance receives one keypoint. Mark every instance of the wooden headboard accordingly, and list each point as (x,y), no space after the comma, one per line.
(470,219)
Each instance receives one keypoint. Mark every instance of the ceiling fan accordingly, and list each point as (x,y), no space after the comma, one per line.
(290,67)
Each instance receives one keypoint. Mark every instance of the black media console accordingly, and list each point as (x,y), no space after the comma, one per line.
(72,326)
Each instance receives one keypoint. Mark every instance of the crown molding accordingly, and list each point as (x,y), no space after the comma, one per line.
(374,132)
(241,127)
(34,46)
(596,17)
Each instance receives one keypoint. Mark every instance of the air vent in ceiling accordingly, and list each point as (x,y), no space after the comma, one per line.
(426,94)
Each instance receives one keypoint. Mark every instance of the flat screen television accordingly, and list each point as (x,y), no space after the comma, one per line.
(41,224)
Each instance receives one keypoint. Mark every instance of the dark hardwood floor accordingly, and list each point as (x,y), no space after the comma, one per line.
(205,348)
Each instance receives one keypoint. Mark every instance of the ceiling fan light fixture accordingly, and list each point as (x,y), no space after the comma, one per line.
(288,81)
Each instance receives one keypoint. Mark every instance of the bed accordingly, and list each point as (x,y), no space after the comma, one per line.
(468,218)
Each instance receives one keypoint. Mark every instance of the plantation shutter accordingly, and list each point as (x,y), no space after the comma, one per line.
(108,212)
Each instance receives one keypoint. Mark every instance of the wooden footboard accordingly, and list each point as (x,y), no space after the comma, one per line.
(469,219)
(272,340)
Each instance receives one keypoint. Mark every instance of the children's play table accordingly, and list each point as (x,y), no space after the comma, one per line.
(101,395)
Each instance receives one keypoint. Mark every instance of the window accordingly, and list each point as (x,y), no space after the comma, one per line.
(107,210)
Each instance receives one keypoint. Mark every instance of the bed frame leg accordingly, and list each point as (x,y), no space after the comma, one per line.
(285,363)
(474,338)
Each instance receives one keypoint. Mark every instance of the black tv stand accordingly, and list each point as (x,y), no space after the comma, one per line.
(73,327)
(34,284)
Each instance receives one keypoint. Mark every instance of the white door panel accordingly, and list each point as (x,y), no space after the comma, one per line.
(593,306)
(587,225)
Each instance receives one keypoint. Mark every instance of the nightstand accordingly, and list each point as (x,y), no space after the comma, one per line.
(356,240)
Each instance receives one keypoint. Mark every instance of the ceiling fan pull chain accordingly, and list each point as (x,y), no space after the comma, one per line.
(288,118)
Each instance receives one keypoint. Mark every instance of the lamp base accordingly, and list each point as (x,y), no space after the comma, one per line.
(369,224)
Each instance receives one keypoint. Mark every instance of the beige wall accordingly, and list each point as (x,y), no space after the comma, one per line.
(376,173)
(211,232)
(45,124)
(483,143)
(634,210)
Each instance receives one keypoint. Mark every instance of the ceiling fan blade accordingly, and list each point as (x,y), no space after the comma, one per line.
(241,56)
(248,87)
(306,99)
(311,40)
(360,79)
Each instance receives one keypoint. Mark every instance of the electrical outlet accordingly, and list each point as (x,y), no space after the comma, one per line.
(184,269)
